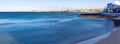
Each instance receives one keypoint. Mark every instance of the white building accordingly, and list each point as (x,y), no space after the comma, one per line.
(113,7)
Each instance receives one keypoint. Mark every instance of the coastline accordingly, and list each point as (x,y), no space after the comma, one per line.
(94,40)
(109,38)
(113,38)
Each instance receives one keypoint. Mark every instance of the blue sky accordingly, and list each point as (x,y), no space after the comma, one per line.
(13,5)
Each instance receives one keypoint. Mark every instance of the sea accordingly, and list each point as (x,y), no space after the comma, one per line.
(50,28)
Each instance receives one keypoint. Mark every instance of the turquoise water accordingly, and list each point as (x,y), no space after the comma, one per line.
(49,28)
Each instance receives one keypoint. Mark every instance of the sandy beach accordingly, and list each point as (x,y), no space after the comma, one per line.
(113,38)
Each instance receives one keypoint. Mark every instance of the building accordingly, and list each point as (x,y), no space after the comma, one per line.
(113,7)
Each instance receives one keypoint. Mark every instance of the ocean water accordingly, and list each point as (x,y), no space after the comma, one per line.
(50,28)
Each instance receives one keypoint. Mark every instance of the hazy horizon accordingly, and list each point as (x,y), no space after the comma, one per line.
(16,5)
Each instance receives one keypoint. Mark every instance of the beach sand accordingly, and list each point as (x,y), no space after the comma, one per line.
(113,38)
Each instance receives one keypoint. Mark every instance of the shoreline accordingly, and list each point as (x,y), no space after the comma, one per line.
(113,38)
(105,38)
(94,40)
(99,39)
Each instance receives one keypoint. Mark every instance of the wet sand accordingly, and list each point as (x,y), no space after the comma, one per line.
(113,38)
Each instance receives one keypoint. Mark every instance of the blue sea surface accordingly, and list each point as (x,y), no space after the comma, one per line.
(50,28)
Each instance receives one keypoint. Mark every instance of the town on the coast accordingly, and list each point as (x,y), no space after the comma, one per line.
(85,10)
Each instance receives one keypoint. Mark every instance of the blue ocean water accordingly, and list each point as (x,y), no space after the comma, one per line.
(49,28)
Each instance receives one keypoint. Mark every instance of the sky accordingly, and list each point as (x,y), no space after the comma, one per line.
(15,5)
